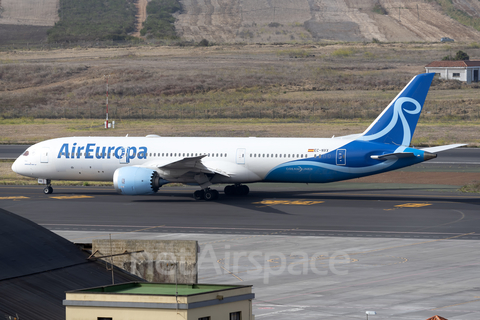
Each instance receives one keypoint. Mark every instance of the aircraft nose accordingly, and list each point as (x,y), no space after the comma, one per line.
(15,166)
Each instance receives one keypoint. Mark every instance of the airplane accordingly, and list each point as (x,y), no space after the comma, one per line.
(141,165)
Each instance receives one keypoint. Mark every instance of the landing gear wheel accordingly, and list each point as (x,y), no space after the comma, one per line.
(229,190)
(243,190)
(199,195)
(210,195)
(48,190)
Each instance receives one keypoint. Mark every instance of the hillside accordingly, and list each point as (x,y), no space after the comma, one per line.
(269,21)
(342,20)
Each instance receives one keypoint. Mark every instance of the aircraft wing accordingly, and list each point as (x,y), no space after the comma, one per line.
(190,164)
(443,148)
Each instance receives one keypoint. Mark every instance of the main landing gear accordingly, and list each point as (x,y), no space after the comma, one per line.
(206,194)
(48,189)
(238,190)
(211,194)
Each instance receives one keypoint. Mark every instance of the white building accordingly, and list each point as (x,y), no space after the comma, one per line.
(462,70)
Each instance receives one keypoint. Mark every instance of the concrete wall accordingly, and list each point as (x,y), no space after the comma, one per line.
(161,261)
(447,73)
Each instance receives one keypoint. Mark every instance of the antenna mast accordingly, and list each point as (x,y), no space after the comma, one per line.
(106,121)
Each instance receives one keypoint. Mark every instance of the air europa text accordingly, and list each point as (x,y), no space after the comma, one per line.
(91,151)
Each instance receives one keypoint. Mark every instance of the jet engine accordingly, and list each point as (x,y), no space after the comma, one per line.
(137,180)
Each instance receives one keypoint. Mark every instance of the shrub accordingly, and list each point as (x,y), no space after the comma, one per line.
(203,43)
(274,25)
(94,20)
(460,55)
(160,20)
(343,52)
(377,8)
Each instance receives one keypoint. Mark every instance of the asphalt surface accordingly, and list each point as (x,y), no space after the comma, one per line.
(342,209)
(333,251)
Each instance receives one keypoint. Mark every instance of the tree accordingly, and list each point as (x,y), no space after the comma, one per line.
(459,56)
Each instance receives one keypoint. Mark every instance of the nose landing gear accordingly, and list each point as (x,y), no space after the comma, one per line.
(48,189)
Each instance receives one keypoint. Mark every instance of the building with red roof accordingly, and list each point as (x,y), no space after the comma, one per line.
(462,70)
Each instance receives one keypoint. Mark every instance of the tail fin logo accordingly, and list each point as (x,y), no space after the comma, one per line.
(398,113)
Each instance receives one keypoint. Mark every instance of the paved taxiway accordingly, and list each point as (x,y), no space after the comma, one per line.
(305,210)
(311,251)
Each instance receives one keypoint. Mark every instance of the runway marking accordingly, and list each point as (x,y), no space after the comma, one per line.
(288,202)
(453,305)
(117,233)
(409,205)
(413,205)
(72,197)
(14,198)
(399,196)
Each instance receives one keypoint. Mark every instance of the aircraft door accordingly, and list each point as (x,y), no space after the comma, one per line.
(241,156)
(44,155)
(121,154)
(341,157)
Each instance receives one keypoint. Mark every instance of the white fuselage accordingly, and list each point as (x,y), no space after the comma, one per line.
(97,158)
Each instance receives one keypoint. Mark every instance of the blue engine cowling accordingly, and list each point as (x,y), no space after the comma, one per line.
(137,180)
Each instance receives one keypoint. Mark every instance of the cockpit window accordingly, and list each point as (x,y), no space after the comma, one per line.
(25,153)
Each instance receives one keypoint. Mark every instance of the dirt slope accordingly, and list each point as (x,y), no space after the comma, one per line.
(141,16)
(342,20)
(29,12)
(270,21)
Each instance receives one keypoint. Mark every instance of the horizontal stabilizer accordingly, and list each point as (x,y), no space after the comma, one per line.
(393,156)
(442,148)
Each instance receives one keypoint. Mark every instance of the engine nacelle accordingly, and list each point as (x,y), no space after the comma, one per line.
(137,180)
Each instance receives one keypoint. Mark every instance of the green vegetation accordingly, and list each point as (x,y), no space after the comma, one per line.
(94,20)
(471,188)
(203,43)
(160,21)
(377,8)
(274,25)
(459,15)
(460,55)
(343,52)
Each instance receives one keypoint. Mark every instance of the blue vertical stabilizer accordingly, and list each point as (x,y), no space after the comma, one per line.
(397,123)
